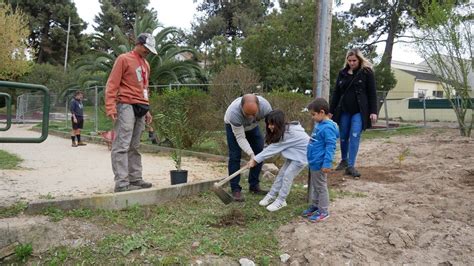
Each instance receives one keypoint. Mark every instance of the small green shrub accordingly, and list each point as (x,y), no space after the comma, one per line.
(23,251)
(194,105)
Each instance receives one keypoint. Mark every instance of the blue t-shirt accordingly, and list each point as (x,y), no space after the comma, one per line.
(77,108)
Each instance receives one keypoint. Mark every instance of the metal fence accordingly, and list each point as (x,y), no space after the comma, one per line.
(397,107)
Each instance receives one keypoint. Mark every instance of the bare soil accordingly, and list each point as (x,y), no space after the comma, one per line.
(418,207)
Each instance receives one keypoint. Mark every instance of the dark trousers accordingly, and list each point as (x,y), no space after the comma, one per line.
(256,141)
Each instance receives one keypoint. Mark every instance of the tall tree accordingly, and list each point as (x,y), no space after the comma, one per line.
(386,22)
(231,19)
(165,68)
(48,22)
(13,46)
(446,42)
(121,13)
(281,49)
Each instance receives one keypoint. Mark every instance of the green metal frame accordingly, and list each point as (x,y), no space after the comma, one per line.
(46,106)
(9,110)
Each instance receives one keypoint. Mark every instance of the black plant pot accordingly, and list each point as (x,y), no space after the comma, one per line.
(179,176)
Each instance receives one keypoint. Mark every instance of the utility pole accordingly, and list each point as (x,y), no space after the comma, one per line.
(322,45)
(67,43)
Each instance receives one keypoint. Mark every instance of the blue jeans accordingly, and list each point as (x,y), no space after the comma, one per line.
(350,128)
(256,141)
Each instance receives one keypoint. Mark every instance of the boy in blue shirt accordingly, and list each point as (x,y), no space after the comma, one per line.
(321,149)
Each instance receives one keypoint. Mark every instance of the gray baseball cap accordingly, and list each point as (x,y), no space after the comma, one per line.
(148,41)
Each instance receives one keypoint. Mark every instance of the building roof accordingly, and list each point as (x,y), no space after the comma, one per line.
(422,75)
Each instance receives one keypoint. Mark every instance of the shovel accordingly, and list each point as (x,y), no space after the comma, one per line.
(225,197)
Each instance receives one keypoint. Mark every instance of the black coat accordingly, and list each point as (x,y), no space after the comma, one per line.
(364,86)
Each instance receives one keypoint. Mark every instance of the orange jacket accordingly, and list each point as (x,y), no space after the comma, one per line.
(127,83)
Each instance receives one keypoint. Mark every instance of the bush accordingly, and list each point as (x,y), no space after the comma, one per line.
(173,104)
(292,104)
(232,82)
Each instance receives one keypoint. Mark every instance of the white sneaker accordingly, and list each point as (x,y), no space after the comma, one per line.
(266,200)
(276,205)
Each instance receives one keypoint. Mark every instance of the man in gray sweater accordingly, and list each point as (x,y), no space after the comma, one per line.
(243,134)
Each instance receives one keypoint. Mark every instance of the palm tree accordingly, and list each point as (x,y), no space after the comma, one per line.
(165,68)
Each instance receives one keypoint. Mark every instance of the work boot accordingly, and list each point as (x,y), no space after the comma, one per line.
(352,172)
(237,195)
(125,188)
(257,190)
(74,144)
(121,189)
(342,165)
(80,143)
(140,183)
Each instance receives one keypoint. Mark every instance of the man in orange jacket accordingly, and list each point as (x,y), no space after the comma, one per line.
(126,102)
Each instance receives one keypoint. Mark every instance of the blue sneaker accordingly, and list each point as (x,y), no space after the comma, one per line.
(308,212)
(319,216)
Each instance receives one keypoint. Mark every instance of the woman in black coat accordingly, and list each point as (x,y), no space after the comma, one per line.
(353,106)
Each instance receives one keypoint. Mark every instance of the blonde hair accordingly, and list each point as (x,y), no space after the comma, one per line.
(364,63)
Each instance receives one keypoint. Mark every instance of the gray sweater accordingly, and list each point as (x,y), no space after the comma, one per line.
(293,146)
(239,123)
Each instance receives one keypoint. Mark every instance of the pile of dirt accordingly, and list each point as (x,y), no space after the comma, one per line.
(419,206)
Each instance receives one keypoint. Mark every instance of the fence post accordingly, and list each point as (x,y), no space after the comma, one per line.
(96,113)
(67,111)
(385,109)
(424,110)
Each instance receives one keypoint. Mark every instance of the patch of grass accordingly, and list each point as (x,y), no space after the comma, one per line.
(23,251)
(8,160)
(164,235)
(54,213)
(405,130)
(13,210)
(81,213)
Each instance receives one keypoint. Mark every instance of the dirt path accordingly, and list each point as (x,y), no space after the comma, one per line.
(418,212)
(55,168)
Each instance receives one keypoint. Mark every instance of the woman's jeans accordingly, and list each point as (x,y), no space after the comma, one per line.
(350,128)
(255,139)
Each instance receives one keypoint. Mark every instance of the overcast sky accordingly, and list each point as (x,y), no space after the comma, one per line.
(180,13)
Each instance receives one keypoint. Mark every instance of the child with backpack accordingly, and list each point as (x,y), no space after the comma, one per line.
(289,139)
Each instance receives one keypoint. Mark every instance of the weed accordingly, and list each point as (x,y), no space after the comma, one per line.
(80,213)
(47,196)
(55,213)
(133,242)
(23,251)
(13,210)
(402,156)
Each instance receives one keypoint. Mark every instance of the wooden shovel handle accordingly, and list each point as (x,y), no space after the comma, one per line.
(225,180)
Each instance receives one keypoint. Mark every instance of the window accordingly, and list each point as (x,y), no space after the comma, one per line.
(438,94)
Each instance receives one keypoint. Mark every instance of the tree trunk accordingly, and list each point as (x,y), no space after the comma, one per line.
(387,53)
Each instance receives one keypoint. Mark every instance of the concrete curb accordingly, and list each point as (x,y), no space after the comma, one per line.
(122,200)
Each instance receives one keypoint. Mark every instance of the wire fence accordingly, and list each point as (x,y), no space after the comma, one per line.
(394,107)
